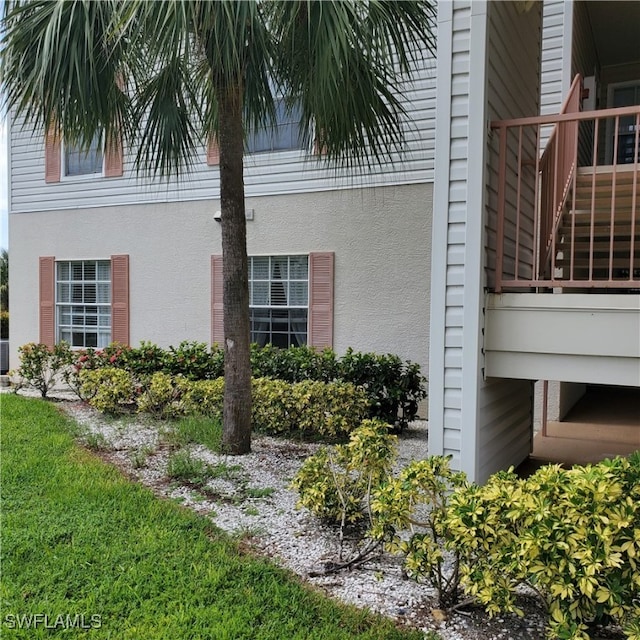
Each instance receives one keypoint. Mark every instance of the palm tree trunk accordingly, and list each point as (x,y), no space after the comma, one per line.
(236,438)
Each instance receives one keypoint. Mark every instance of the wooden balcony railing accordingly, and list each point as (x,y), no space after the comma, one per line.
(567,215)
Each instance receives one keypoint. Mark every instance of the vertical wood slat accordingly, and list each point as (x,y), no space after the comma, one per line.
(52,156)
(217,311)
(321,276)
(213,152)
(120,299)
(47,295)
(113,158)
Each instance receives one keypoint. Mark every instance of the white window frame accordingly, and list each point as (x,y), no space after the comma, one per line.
(287,306)
(64,176)
(65,304)
(299,143)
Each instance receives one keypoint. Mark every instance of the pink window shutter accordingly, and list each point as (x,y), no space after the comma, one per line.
(47,301)
(120,299)
(113,158)
(217,313)
(213,152)
(321,273)
(52,156)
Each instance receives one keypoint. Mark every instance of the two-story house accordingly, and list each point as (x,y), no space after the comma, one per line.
(500,249)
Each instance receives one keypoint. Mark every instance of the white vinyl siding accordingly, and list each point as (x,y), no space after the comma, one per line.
(488,69)
(449,231)
(556,50)
(267,173)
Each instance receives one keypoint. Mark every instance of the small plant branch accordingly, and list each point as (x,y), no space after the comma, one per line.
(363,556)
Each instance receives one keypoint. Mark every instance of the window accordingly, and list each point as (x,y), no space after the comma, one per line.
(83,302)
(83,162)
(279,300)
(284,136)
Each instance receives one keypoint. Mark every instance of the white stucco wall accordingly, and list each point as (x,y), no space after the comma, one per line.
(381,238)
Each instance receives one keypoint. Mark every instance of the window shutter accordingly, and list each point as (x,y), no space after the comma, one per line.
(52,156)
(48,301)
(321,268)
(213,153)
(120,299)
(217,312)
(113,158)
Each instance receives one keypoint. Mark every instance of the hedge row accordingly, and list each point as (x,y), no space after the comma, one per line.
(329,409)
(394,388)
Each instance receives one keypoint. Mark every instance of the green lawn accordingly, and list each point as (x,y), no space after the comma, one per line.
(82,545)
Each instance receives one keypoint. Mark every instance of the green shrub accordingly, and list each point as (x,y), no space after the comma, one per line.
(195,361)
(330,409)
(336,483)
(108,390)
(204,398)
(143,361)
(90,360)
(395,388)
(294,364)
(273,408)
(573,535)
(163,396)
(417,500)
(41,365)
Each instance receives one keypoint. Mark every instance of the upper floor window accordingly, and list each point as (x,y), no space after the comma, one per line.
(83,162)
(279,300)
(284,136)
(83,302)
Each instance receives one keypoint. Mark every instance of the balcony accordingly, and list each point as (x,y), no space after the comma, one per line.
(565,202)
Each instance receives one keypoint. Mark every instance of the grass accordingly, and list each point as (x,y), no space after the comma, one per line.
(198,430)
(184,466)
(78,539)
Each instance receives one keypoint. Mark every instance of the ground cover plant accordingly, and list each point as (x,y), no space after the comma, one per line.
(82,546)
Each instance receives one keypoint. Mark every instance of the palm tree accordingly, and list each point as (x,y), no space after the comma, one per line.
(167,76)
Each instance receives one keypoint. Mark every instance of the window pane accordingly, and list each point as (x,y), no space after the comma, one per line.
(104,293)
(76,270)
(278,294)
(89,271)
(91,339)
(283,136)
(280,268)
(76,293)
(260,268)
(90,293)
(64,292)
(64,270)
(299,268)
(260,293)
(80,162)
(104,270)
(298,294)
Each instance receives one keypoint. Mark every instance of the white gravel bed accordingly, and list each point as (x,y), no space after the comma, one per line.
(254,500)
